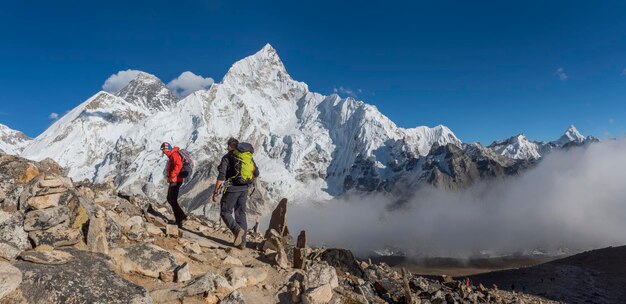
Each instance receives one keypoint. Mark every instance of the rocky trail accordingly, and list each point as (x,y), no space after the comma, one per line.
(66,242)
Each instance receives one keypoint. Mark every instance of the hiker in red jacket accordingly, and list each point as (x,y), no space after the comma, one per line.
(175,180)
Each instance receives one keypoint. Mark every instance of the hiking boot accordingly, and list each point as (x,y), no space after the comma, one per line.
(242,246)
(239,237)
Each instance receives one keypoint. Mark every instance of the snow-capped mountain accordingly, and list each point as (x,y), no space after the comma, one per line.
(520,147)
(82,138)
(11,141)
(308,145)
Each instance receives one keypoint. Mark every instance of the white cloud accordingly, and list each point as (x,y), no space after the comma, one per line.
(624,72)
(561,73)
(346,91)
(53,116)
(119,80)
(188,83)
(611,120)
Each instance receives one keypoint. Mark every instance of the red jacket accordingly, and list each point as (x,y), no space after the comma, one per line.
(174,165)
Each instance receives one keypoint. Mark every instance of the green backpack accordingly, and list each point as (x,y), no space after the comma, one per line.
(244,164)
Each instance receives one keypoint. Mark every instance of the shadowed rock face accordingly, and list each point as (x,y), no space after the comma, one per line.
(88,279)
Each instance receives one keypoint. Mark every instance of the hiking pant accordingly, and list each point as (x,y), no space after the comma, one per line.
(234,201)
(172,199)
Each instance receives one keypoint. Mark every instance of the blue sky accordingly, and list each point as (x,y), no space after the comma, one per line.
(486,69)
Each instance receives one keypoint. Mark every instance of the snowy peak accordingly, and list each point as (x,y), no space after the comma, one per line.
(148,92)
(12,141)
(517,147)
(262,70)
(571,135)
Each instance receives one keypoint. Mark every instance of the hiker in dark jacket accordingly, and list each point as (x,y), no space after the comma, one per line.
(235,196)
(175,179)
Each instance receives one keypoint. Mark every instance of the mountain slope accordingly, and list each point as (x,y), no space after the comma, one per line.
(12,141)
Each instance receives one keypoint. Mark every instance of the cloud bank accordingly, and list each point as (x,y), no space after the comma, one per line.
(573,199)
(188,83)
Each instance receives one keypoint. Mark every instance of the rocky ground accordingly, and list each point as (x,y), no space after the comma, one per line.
(596,276)
(66,242)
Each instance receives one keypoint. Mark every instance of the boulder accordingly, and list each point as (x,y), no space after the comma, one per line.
(46,218)
(202,241)
(97,235)
(9,251)
(275,244)
(172,230)
(88,278)
(145,259)
(12,232)
(239,277)
(153,229)
(342,259)
(234,297)
(47,257)
(56,236)
(50,181)
(207,283)
(20,171)
(113,231)
(10,279)
(320,295)
(278,221)
(320,274)
(193,247)
(229,260)
(182,273)
(134,220)
(44,201)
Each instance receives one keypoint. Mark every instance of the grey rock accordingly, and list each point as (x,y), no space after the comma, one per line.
(209,282)
(56,236)
(97,234)
(12,231)
(320,274)
(182,273)
(342,259)
(145,259)
(234,297)
(113,231)
(240,277)
(9,251)
(46,218)
(51,257)
(10,279)
(87,279)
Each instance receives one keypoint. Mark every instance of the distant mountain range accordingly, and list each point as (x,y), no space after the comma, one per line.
(308,146)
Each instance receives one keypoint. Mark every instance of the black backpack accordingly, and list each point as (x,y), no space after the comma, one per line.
(187,169)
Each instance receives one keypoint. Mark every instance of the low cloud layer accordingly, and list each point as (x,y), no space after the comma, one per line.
(574,199)
(188,83)
(119,80)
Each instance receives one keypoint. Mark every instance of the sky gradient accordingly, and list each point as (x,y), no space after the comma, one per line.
(486,69)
